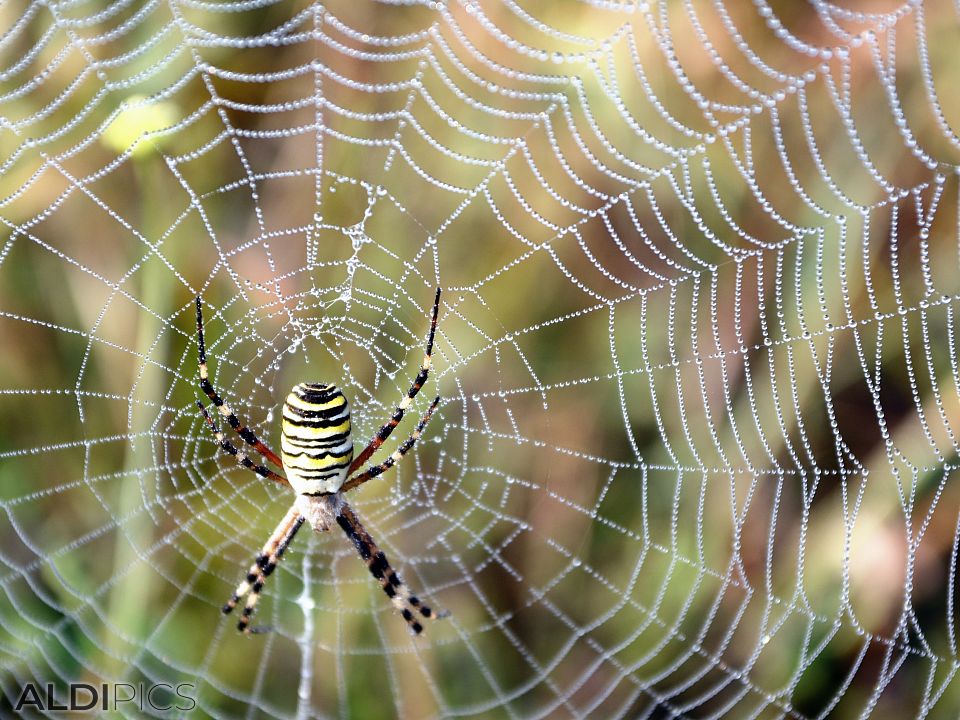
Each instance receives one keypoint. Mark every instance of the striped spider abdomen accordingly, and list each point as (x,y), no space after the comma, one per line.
(315,442)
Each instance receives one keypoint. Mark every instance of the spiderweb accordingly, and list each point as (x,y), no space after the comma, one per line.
(696,447)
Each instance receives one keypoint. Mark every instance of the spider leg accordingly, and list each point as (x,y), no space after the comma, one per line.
(374,470)
(405,601)
(242,430)
(242,459)
(263,566)
(384,432)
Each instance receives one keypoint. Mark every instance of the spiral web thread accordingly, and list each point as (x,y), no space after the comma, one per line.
(697,351)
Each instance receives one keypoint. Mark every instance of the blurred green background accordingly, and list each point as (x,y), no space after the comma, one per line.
(696,450)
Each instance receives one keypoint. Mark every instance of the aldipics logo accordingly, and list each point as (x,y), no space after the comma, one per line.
(81,697)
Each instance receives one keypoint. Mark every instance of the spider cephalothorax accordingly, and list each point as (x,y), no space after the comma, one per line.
(316,456)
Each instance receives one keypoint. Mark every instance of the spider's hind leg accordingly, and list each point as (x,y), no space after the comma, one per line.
(384,432)
(400,595)
(241,457)
(249,437)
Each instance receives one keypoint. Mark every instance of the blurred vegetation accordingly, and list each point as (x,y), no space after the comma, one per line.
(660,482)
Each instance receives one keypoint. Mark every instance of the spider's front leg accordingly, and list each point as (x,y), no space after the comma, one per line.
(263,566)
(405,601)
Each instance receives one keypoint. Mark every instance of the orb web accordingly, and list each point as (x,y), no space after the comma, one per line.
(697,353)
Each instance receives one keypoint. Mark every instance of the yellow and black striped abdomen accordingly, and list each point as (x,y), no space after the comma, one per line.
(315,445)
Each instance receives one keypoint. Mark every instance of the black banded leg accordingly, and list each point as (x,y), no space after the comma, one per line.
(242,430)
(384,432)
(374,470)
(265,563)
(405,601)
(241,457)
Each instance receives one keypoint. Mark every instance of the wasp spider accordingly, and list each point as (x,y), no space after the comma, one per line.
(316,457)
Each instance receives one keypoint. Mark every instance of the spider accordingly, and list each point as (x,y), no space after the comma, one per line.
(319,466)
